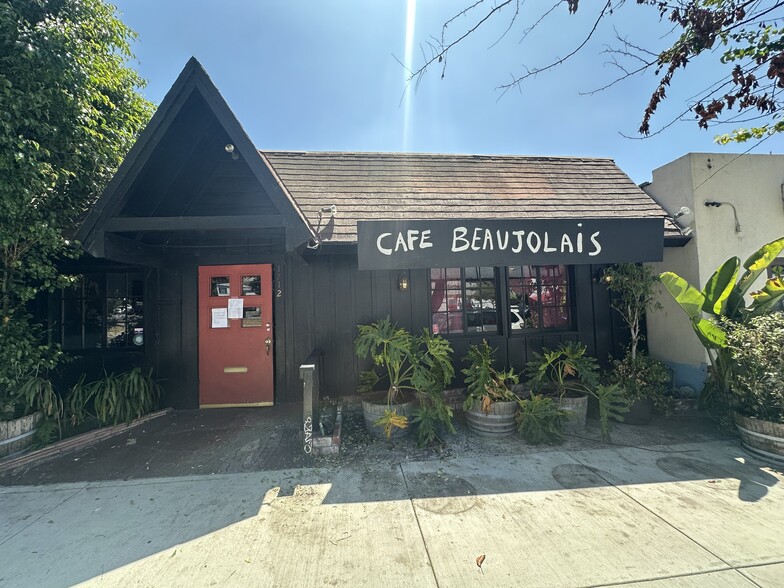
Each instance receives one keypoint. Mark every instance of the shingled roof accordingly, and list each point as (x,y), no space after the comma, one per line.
(387,186)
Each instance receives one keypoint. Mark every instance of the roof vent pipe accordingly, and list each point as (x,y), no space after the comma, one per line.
(782,194)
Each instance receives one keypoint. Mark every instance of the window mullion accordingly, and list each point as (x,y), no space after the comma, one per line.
(105,310)
(463,301)
(83,313)
(539,299)
(502,299)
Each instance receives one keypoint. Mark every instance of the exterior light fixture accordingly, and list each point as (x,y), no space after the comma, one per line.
(682,212)
(402,282)
(716,204)
(229,148)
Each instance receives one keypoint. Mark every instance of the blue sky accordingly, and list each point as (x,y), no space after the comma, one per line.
(322,75)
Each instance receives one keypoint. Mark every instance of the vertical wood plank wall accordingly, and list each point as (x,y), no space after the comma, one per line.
(321,302)
(328,297)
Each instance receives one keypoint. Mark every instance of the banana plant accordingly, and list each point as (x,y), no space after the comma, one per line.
(723,298)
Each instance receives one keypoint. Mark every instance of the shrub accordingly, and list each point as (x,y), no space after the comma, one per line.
(757,381)
(643,378)
(116,398)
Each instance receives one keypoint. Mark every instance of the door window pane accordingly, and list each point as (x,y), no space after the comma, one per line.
(251,316)
(251,285)
(219,286)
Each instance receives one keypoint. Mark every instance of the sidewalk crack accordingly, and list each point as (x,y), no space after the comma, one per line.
(419,526)
(655,514)
(34,521)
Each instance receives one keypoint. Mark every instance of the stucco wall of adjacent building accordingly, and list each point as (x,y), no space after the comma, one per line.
(753,184)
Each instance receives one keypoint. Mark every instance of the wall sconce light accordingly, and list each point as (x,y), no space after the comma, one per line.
(682,211)
(229,148)
(716,204)
(402,282)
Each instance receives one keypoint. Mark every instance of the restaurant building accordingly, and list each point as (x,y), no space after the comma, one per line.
(223,267)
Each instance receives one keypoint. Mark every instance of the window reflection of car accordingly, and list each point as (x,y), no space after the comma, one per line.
(135,338)
(519,317)
(479,320)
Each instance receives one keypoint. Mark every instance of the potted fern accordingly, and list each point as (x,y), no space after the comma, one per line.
(415,371)
(22,413)
(490,403)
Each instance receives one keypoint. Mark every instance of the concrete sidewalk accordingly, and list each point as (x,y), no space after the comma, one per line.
(700,514)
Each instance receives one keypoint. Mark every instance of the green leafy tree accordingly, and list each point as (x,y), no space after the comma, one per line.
(743,38)
(634,286)
(69,111)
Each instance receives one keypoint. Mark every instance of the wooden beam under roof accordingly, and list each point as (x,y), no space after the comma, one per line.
(124,250)
(192,223)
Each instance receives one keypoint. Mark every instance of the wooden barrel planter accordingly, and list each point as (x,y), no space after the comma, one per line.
(373,407)
(764,438)
(499,422)
(16,435)
(579,406)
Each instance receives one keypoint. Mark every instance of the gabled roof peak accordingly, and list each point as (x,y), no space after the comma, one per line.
(192,78)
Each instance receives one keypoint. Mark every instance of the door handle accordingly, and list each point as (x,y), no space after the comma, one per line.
(268,343)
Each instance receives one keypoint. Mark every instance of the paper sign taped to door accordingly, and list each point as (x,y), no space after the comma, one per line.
(220,319)
(235,308)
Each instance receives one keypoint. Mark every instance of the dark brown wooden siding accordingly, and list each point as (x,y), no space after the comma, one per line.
(317,304)
(328,297)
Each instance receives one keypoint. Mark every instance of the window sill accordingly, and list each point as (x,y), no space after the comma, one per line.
(521,334)
(108,350)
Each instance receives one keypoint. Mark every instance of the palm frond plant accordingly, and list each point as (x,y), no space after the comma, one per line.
(489,390)
(540,420)
(38,394)
(569,371)
(412,368)
(613,404)
(115,398)
(567,368)
(484,383)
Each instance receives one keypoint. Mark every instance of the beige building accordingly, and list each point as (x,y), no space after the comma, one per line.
(736,204)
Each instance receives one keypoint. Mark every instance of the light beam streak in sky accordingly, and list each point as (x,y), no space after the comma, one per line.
(408,60)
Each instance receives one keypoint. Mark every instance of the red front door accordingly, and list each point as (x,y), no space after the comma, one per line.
(235,335)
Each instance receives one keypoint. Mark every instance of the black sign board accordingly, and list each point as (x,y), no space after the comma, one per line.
(413,244)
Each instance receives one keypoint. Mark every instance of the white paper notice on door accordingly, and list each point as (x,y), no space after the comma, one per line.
(220,318)
(235,308)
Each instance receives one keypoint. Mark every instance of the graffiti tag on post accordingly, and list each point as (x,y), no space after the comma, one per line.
(308,429)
